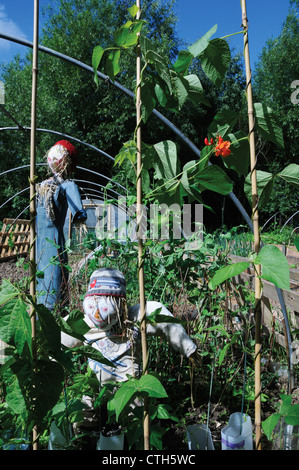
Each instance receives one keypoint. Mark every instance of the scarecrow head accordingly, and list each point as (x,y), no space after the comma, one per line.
(62,158)
(105,301)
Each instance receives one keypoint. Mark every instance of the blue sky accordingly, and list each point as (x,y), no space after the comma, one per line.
(195,18)
(266,17)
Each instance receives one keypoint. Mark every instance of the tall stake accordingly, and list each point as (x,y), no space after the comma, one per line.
(255,220)
(32,192)
(146,424)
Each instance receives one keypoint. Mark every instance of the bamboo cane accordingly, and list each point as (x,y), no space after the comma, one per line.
(146,424)
(255,220)
(32,194)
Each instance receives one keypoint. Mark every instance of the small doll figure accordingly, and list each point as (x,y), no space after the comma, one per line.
(114,333)
(54,196)
(113,329)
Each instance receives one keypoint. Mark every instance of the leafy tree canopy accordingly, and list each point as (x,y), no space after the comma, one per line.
(274,82)
(69,101)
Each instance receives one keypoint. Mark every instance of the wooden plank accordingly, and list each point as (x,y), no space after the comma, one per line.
(267,321)
(20,233)
(20,221)
(7,258)
(291,298)
(17,244)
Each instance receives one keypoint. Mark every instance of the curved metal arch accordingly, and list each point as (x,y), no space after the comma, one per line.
(123,208)
(266,223)
(19,215)
(19,168)
(27,207)
(84,189)
(98,184)
(92,196)
(26,189)
(15,195)
(79,167)
(86,193)
(104,77)
(103,176)
(297,212)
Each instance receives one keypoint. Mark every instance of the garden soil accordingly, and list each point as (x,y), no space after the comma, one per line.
(10,270)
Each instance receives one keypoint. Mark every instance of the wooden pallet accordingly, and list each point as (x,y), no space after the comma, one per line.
(14,238)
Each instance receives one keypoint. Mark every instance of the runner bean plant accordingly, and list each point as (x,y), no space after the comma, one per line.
(34,393)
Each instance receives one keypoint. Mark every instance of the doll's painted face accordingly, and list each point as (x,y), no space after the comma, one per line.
(101,310)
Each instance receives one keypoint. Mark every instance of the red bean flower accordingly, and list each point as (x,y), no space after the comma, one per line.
(222,147)
(207,141)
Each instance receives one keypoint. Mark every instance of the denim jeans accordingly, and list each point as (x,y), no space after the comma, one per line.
(51,256)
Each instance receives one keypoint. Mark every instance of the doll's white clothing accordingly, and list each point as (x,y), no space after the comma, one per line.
(125,352)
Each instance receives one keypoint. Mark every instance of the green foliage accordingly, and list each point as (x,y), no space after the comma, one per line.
(181,282)
(267,124)
(288,412)
(147,385)
(279,236)
(266,182)
(32,388)
(228,272)
(136,390)
(275,268)
(71,28)
(171,86)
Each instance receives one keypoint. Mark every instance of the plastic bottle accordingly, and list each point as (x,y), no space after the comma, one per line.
(237,435)
(111,442)
(199,437)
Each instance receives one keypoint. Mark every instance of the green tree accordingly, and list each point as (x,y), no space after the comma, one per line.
(70,102)
(68,99)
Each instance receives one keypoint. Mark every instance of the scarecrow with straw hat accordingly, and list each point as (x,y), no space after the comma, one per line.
(55,196)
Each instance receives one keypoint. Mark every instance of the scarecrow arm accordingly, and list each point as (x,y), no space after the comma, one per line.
(74,201)
(174,333)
